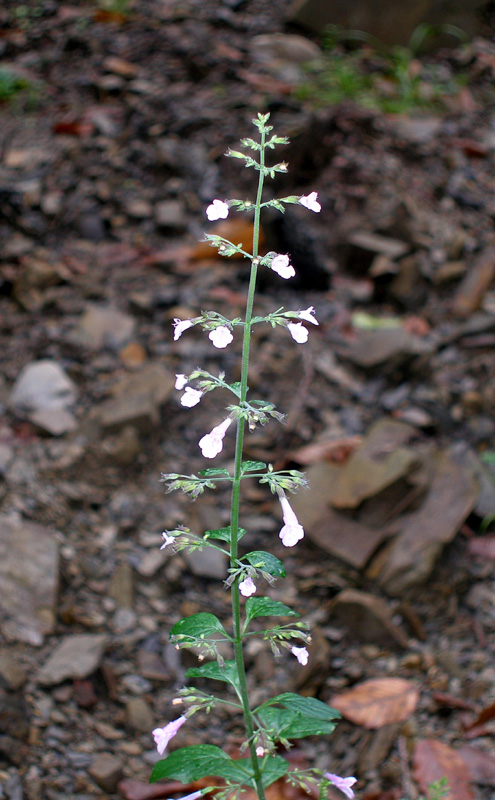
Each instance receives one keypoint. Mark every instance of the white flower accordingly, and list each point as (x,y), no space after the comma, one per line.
(344,784)
(298,332)
(221,336)
(181,325)
(217,210)
(283,267)
(301,654)
(191,397)
(180,381)
(260,751)
(247,587)
(308,315)
(162,736)
(192,796)
(167,540)
(310,201)
(212,444)
(291,531)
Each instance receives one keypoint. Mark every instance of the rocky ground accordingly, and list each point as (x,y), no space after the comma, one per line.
(107,162)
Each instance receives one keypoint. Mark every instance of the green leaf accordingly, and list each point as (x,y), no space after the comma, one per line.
(190,763)
(227,673)
(252,466)
(214,473)
(288,724)
(267,562)
(266,607)
(309,706)
(198,626)
(199,761)
(224,534)
(236,388)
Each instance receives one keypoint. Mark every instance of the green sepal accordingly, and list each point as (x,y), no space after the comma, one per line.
(236,388)
(198,626)
(252,466)
(225,534)
(214,472)
(266,607)
(266,562)
(226,673)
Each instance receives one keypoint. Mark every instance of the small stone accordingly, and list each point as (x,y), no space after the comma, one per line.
(77,656)
(103,326)
(139,209)
(56,422)
(368,618)
(119,66)
(122,586)
(124,620)
(284,46)
(208,563)
(170,214)
(106,771)
(124,448)
(133,355)
(138,715)
(42,386)
(11,670)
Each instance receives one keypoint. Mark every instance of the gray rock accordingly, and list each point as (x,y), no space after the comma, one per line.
(42,386)
(138,715)
(103,326)
(54,421)
(170,214)
(207,563)
(76,657)
(28,580)
(106,771)
(138,400)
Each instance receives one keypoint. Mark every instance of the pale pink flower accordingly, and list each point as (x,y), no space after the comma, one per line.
(344,784)
(181,325)
(221,336)
(308,315)
(212,444)
(180,381)
(260,751)
(167,540)
(191,397)
(192,796)
(310,201)
(162,736)
(301,654)
(247,587)
(291,531)
(282,266)
(217,210)
(298,332)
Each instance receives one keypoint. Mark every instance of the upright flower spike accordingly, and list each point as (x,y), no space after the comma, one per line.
(162,736)
(292,531)
(181,325)
(217,210)
(344,784)
(191,397)
(282,266)
(298,332)
(212,444)
(301,654)
(221,336)
(310,201)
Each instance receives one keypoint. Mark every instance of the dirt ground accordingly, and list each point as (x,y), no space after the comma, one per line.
(109,154)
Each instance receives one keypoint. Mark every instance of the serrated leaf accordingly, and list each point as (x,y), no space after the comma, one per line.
(212,670)
(291,725)
(266,607)
(214,472)
(198,626)
(224,534)
(267,562)
(252,466)
(190,763)
(308,706)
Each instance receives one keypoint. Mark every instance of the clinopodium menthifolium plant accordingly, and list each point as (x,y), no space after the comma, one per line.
(272,725)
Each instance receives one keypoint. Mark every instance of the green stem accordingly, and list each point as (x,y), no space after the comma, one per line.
(236,487)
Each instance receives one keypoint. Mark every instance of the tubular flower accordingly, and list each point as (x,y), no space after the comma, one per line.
(301,654)
(247,587)
(221,336)
(298,332)
(181,325)
(212,444)
(282,266)
(291,531)
(191,397)
(344,784)
(167,540)
(310,201)
(217,210)
(162,736)
(180,381)
(308,315)
(192,796)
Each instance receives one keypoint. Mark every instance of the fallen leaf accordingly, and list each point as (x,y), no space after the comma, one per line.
(433,760)
(377,702)
(236,230)
(487,714)
(337,450)
(480,763)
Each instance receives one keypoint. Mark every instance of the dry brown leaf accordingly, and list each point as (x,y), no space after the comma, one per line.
(481,764)
(482,547)
(337,450)
(377,702)
(237,231)
(434,760)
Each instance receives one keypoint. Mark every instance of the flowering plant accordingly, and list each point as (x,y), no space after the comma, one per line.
(275,722)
